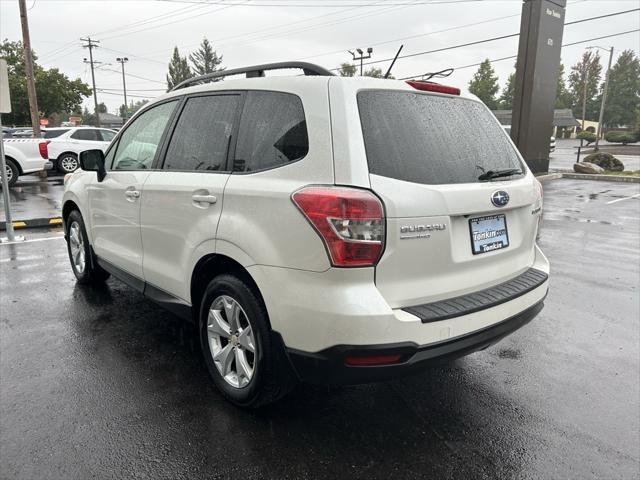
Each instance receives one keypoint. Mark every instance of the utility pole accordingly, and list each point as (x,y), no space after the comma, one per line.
(604,95)
(91,44)
(122,61)
(584,94)
(28,66)
(361,57)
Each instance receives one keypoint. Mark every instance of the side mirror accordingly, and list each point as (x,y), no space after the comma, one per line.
(93,161)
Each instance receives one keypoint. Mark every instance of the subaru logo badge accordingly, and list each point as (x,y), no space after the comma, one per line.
(500,198)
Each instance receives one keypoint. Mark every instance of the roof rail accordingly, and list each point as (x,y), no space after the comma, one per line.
(309,69)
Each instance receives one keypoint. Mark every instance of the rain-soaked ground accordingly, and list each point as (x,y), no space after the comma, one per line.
(33,197)
(105,384)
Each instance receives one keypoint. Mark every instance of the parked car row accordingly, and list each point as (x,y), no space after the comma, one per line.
(64,145)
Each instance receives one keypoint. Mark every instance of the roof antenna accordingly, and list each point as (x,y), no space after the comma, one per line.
(386,75)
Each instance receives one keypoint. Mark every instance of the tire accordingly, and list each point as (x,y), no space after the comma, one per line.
(83,262)
(270,377)
(68,162)
(12,172)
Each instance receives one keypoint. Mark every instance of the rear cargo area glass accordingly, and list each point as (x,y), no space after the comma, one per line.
(431,139)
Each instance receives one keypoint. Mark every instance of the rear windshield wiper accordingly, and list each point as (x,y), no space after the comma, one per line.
(505,172)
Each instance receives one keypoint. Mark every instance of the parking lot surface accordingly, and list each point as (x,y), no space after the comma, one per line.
(105,384)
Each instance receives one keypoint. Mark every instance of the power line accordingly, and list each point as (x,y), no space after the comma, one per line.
(494,60)
(492,39)
(328,5)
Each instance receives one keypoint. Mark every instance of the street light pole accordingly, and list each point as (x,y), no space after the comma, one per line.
(122,61)
(584,95)
(361,57)
(604,97)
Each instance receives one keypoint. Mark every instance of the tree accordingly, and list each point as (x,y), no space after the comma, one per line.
(205,59)
(56,92)
(179,70)
(102,108)
(376,73)
(347,70)
(506,99)
(131,108)
(623,94)
(563,97)
(484,85)
(587,70)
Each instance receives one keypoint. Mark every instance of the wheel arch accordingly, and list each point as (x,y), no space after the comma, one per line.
(211,265)
(15,162)
(68,152)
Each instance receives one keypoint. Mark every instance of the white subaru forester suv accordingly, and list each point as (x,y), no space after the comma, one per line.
(316,228)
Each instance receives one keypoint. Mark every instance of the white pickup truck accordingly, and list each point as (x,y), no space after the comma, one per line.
(25,155)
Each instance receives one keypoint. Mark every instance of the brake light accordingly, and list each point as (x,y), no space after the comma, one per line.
(349,221)
(44,150)
(433,87)
(373,360)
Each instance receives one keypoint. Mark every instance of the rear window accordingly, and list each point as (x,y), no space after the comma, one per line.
(54,133)
(430,139)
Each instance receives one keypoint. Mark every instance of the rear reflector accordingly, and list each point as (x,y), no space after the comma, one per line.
(349,221)
(44,150)
(373,359)
(433,87)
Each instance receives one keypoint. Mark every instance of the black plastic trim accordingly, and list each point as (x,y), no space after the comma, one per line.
(480,300)
(328,367)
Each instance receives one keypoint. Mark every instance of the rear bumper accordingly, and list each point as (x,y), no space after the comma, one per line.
(328,366)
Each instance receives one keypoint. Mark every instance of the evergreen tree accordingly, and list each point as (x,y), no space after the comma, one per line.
(588,71)
(179,70)
(205,59)
(506,99)
(563,97)
(623,94)
(484,85)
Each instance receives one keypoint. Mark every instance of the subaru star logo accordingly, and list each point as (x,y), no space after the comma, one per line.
(500,198)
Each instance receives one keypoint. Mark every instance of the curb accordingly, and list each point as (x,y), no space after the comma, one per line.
(588,176)
(34,223)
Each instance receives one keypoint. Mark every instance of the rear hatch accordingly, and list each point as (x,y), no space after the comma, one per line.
(451,228)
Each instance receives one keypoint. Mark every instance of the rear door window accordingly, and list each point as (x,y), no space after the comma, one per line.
(90,134)
(273,132)
(106,135)
(201,138)
(430,139)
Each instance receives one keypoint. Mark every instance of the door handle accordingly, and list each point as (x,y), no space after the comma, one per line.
(132,193)
(211,199)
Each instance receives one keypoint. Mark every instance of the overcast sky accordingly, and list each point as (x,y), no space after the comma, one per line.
(320,31)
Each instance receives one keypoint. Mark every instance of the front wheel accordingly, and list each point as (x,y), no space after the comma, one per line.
(84,266)
(68,162)
(236,342)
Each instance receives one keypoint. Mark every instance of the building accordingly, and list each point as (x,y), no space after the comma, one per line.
(564,123)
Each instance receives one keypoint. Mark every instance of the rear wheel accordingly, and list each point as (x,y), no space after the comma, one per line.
(68,162)
(11,171)
(83,264)
(236,342)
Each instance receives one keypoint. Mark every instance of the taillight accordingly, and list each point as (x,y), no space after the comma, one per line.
(44,150)
(433,87)
(350,222)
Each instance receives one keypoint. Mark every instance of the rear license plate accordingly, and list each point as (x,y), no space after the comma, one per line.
(488,233)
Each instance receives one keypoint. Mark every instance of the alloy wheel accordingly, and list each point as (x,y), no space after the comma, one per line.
(231,341)
(69,164)
(76,246)
(9,173)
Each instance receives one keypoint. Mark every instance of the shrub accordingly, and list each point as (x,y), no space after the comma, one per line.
(606,161)
(616,136)
(587,136)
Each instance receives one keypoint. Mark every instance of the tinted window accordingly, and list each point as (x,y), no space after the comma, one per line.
(201,137)
(106,135)
(85,134)
(431,139)
(272,131)
(54,133)
(139,142)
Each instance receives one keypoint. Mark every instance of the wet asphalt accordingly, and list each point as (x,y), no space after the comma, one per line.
(105,384)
